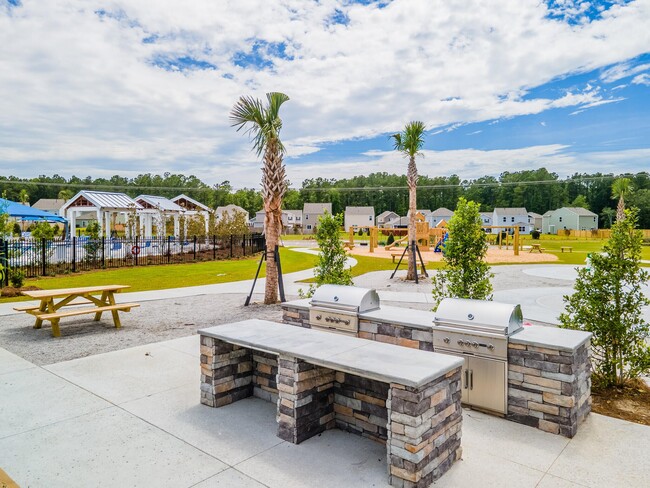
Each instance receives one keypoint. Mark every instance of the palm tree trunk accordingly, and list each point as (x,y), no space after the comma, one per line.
(412,179)
(620,209)
(273,189)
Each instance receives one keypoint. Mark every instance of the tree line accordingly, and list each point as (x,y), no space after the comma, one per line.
(538,190)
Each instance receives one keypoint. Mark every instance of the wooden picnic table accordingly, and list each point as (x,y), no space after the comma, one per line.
(536,248)
(70,298)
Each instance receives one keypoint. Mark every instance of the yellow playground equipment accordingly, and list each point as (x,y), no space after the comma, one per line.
(373,233)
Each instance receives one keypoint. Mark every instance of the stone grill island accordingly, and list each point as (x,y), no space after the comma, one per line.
(547,375)
(409,400)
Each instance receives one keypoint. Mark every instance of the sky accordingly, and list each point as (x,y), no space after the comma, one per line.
(105,87)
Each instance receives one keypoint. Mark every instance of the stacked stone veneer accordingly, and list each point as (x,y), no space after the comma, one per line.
(421,426)
(549,389)
(424,430)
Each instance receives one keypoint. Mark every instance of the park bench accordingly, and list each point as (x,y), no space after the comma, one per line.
(408,399)
(568,248)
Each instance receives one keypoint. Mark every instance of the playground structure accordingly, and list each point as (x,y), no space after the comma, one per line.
(438,235)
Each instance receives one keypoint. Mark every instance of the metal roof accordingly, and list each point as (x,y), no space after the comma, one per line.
(105,199)
(359,210)
(182,196)
(162,203)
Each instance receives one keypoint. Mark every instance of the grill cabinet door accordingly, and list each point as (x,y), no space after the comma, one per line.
(487,384)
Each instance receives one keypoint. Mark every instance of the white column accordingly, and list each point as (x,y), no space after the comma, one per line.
(148,225)
(177,226)
(72,222)
(107,219)
(206,217)
(100,221)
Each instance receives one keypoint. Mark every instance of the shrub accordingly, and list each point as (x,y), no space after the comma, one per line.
(16,229)
(534,234)
(360,233)
(17,278)
(608,301)
(391,239)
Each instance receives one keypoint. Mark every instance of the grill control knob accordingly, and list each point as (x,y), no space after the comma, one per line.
(318,317)
(346,322)
(491,347)
(337,320)
(446,340)
(475,344)
(328,319)
(461,342)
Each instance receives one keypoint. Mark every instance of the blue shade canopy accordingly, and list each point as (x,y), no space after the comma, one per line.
(24,212)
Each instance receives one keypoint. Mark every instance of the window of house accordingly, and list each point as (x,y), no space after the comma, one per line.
(512,219)
(560,219)
(369,217)
(522,229)
(504,219)
(306,217)
(594,219)
(308,227)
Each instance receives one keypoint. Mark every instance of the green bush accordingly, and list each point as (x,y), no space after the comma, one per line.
(535,234)
(16,229)
(391,239)
(17,278)
(360,233)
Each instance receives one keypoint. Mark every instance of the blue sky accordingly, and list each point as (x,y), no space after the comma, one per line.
(146,86)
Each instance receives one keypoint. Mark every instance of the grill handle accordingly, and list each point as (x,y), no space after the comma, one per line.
(466,378)
(471,379)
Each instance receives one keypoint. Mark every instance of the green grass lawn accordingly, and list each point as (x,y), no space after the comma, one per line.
(174,275)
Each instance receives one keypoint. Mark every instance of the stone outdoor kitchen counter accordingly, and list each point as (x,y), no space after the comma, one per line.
(550,337)
(374,360)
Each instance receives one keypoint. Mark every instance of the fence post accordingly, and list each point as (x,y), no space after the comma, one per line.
(4,268)
(44,265)
(169,248)
(243,245)
(194,248)
(231,243)
(74,254)
(214,248)
(103,252)
(136,256)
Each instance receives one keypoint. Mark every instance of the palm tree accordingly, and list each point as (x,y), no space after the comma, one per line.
(23,197)
(620,188)
(409,142)
(64,195)
(263,123)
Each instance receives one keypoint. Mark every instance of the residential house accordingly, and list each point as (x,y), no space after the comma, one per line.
(291,219)
(517,216)
(570,218)
(398,223)
(436,217)
(486,219)
(51,205)
(310,214)
(359,217)
(384,217)
(535,220)
(546,220)
(231,210)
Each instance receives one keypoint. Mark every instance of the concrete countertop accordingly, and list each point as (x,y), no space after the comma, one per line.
(551,337)
(375,360)
(418,319)
(303,303)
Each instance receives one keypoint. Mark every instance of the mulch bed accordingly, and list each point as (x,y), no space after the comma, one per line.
(631,402)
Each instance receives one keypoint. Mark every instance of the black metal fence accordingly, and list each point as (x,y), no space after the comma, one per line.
(41,257)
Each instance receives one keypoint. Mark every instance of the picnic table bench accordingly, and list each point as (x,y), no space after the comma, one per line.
(408,399)
(568,248)
(70,298)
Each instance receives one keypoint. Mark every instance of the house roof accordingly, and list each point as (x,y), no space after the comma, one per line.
(162,203)
(317,208)
(49,204)
(231,209)
(386,213)
(548,213)
(199,205)
(582,212)
(103,199)
(442,212)
(359,210)
(534,215)
(486,214)
(511,211)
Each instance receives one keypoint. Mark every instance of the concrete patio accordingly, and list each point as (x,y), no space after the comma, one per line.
(132,418)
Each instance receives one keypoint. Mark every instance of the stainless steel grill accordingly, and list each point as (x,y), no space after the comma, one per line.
(336,307)
(478,331)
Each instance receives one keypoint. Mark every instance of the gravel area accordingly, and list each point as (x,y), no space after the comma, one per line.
(153,321)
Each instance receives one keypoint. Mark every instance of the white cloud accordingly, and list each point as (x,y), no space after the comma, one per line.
(643,79)
(83,92)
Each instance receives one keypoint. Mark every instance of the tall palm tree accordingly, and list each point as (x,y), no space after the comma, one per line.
(263,124)
(409,142)
(620,188)
(65,195)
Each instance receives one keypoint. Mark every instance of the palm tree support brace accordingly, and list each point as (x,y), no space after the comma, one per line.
(417,251)
(276,253)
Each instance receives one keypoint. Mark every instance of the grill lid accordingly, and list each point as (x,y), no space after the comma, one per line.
(479,315)
(347,298)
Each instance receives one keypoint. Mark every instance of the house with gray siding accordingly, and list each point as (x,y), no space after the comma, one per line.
(515,216)
(535,220)
(359,217)
(438,215)
(569,218)
(386,216)
(310,214)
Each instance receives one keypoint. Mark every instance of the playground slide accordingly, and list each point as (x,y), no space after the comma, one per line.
(441,243)
(397,243)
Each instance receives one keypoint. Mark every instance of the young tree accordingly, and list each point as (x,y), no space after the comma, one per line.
(264,125)
(466,274)
(621,188)
(331,268)
(608,302)
(409,142)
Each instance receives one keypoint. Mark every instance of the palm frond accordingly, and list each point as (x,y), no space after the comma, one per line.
(411,139)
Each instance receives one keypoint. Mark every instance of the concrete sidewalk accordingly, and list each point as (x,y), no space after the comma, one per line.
(132,418)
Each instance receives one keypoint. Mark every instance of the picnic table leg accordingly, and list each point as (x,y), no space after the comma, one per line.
(42,308)
(116,317)
(56,332)
(98,315)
